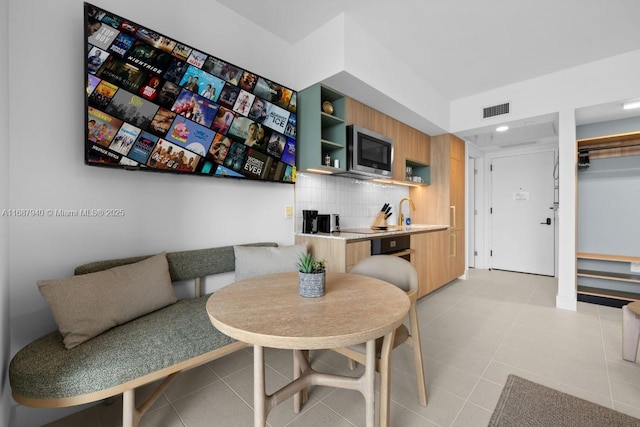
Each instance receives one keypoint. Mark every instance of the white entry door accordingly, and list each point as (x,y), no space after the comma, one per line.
(522,214)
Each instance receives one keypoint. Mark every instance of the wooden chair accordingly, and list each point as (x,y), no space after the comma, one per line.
(402,274)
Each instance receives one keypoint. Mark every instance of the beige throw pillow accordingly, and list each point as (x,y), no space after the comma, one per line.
(255,261)
(84,306)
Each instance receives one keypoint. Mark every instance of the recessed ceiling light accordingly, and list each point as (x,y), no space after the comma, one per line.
(502,128)
(631,105)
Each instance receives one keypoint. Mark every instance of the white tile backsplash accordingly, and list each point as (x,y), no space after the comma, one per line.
(356,201)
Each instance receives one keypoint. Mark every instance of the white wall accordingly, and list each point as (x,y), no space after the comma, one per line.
(562,92)
(5,394)
(45,154)
(344,56)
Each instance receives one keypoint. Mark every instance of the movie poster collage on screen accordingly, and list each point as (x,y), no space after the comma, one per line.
(158,104)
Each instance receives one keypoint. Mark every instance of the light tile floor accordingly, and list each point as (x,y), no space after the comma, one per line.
(474,333)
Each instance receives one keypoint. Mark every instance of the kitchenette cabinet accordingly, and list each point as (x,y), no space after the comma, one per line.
(357,251)
(439,260)
(343,250)
(439,253)
(321,130)
(431,259)
(323,133)
(457,207)
(340,254)
(411,147)
(443,202)
(438,162)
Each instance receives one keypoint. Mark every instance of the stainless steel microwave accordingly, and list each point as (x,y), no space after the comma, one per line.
(369,153)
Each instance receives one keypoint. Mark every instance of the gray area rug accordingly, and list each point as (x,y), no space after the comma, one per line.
(525,403)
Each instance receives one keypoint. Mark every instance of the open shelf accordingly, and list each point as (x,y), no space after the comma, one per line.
(321,134)
(612,297)
(606,296)
(420,169)
(329,145)
(608,257)
(330,120)
(608,275)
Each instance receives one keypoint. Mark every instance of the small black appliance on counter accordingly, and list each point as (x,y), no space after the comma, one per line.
(309,222)
(328,223)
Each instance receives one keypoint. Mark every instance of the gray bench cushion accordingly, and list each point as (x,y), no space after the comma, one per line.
(183,265)
(45,369)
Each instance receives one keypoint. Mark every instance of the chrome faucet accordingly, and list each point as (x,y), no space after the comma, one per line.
(400,214)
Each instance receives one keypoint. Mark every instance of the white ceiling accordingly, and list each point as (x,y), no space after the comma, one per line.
(464,47)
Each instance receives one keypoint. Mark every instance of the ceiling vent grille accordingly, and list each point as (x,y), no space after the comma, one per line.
(495,110)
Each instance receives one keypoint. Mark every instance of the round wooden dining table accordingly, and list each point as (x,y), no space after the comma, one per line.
(267,311)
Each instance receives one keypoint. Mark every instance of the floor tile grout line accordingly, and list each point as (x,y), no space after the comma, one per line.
(184,423)
(420,415)
(449,308)
(480,377)
(466,400)
(331,409)
(604,350)
(554,379)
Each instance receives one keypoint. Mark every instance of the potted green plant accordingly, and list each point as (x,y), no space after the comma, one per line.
(311,276)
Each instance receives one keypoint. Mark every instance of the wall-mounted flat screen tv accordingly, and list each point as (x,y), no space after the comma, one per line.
(153,103)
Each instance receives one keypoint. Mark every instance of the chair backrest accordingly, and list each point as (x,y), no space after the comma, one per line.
(395,270)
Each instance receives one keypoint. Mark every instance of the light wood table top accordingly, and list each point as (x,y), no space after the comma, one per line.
(268,311)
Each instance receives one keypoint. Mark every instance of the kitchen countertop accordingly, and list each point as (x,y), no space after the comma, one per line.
(367,233)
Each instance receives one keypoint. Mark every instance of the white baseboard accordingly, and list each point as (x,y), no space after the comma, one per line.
(567,302)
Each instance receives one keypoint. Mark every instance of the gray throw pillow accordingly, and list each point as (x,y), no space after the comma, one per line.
(84,306)
(254,261)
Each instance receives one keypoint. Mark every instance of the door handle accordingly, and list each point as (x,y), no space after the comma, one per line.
(547,222)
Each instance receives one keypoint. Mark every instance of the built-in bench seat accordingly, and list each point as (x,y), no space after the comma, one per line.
(157,345)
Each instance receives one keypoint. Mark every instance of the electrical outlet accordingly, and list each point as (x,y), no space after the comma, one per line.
(288,212)
(635,267)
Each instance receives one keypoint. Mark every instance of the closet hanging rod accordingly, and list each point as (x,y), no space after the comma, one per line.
(607,147)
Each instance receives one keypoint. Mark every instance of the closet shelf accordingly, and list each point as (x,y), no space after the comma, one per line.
(608,257)
(623,277)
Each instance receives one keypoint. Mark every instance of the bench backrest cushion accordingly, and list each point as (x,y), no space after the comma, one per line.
(87,305)
(104,294)
(183,265)
(255,261)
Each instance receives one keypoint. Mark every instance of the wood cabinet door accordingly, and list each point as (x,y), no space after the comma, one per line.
(457,253)
(333,251)
(438,259)
(456,148)
(357,251)
(420,261)
(456,196)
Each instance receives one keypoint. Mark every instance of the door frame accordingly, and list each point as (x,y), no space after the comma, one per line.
(475,199)
(482,195)
(470,204)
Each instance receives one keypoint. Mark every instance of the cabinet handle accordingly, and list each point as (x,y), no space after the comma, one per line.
(453,246)
(452,220)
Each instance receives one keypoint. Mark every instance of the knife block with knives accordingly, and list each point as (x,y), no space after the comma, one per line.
(380,221)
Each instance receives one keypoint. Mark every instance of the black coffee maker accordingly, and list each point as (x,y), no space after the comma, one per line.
(309,222)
